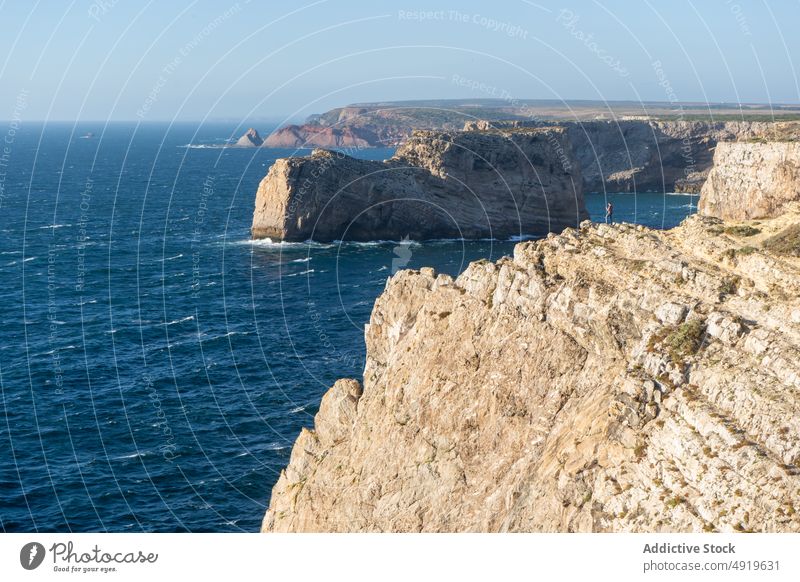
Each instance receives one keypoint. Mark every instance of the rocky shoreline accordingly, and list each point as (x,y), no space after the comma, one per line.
(623,154)
(513,179)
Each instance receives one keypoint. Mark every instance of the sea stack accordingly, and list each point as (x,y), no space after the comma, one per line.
(469,185)
(250,139)
(313,136)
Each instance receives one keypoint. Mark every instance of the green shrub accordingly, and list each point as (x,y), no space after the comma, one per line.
(680,341)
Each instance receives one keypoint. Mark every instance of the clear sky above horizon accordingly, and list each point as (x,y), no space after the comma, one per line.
(249,60)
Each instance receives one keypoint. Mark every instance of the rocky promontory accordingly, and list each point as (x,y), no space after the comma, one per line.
(610,378)
(753,179)
(437,185)
(313,136)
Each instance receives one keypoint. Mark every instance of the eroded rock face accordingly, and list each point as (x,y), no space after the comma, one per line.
(611,378)
(437,185)
(752,180)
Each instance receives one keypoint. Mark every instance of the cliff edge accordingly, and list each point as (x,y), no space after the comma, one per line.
(611,378)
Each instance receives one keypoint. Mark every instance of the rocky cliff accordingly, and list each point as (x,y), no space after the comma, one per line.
(437,185)
(610,378)
(628,153)
(752,179)
(643,155)
(652,156)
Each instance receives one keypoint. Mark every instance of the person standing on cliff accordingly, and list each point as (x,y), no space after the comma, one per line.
(609,213)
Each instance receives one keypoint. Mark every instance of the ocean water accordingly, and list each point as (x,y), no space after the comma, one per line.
(156,365)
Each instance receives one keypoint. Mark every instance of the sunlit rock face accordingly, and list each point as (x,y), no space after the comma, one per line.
(610,378)
(752,180)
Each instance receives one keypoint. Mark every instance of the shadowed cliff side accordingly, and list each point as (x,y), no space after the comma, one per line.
(437,185)
(611,378)
(649,155)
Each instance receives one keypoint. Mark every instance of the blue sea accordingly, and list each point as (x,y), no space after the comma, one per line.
(156,364)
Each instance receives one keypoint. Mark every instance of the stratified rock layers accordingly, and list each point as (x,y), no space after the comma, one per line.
(752,180)
(437,185)
(611,378)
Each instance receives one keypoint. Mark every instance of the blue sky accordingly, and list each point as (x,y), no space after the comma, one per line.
(276,60)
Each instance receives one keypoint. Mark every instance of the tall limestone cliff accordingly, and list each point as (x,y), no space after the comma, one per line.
(650,155)
(752,180)
(611,378)
(437,185)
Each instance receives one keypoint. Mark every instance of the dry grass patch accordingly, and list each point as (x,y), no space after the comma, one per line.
(786,242)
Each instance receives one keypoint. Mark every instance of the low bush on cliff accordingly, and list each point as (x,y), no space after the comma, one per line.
(742,230)
(680,341)
(786,242)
